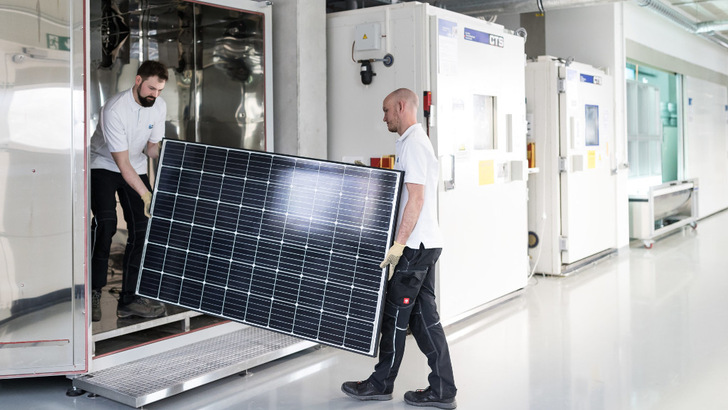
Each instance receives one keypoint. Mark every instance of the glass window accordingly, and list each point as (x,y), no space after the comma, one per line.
(592,125)
(483,121)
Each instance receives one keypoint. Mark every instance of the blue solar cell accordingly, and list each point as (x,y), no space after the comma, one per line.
(285,243)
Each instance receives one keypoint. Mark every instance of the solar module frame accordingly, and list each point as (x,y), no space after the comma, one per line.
(285,243)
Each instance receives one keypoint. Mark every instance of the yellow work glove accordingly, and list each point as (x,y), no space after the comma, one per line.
(147,198)
(392,258)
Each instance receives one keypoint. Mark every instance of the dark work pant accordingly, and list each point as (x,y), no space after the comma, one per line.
(411,301)
(104,184)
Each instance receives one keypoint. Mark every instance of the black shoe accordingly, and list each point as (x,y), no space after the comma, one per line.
(428,398)
(364,390)
(141,307)
(95,305)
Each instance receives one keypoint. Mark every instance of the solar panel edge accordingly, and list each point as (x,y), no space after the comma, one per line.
(392,231)
(395,179)
(149,221)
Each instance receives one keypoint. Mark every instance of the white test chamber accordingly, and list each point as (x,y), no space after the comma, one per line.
(474,70)
(572,205)
(51,88)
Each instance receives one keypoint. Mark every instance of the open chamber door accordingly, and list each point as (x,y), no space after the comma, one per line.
(42,207)
(219,93)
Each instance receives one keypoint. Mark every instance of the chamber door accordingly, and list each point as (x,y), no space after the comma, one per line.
(481,146)
(588,187)
(42,304)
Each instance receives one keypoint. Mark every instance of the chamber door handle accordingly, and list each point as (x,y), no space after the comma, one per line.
(449,178)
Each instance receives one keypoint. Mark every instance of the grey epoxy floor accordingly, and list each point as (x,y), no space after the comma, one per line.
(644,329)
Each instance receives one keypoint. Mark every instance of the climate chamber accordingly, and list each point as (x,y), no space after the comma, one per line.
(62,61)
(472,72)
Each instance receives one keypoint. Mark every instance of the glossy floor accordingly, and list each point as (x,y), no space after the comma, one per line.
(643,329)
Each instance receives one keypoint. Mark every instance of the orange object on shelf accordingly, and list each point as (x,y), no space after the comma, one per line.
(391,161)
(531,154)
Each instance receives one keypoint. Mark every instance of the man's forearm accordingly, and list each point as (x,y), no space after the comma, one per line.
(128,173)
(411,214)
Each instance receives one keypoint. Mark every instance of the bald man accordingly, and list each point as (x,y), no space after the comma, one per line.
(411,261)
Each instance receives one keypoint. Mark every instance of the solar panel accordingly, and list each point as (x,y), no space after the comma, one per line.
(284,243)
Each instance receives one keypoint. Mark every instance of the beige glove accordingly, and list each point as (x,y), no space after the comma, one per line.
(147,198)
(392,258)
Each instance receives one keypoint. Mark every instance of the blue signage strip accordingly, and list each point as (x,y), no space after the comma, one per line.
(481,37)
(586,78)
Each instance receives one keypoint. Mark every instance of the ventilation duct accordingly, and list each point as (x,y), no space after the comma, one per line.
(706,30)
(711,26)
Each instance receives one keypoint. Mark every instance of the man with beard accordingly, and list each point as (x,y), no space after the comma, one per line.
(130,127)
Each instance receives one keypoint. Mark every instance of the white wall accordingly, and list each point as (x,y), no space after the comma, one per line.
(704,121)
(706,131)
(660,34)
(597,35)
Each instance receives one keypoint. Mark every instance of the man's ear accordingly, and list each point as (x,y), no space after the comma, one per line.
(138,80)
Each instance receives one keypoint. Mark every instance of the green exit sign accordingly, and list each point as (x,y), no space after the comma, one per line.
(58,42)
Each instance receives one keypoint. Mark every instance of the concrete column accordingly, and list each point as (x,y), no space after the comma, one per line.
(299,77)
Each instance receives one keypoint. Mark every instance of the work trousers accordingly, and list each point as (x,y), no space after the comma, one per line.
(411,301)
(104,185)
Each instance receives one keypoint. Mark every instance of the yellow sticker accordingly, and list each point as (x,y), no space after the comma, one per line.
(591,159)
(486,172)
(365,37)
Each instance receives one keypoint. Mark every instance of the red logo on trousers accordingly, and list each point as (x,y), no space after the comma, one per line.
(406,301)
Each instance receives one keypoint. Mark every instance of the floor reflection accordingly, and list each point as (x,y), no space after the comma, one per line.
(643,329)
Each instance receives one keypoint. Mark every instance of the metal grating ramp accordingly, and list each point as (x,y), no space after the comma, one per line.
(153,378)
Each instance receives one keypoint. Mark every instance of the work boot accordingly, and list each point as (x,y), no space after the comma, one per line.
(157,305)
(428,398)
(141,307)
(364,390)
(95,305)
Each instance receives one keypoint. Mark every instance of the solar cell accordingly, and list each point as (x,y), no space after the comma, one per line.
(284,243)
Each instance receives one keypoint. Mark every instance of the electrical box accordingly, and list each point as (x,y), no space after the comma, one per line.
(368,37)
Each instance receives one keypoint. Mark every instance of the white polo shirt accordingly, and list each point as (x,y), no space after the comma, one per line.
(416,158)
(126,126)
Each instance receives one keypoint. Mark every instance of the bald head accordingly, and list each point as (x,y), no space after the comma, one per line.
(400,110)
